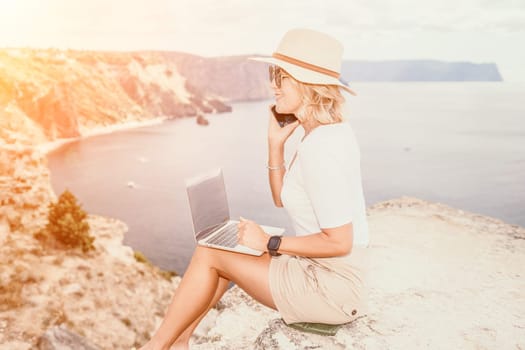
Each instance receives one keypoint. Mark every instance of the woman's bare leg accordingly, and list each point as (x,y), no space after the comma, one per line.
(183,340)
(200,283)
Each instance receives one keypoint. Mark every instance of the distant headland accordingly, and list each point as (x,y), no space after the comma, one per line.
(419,70)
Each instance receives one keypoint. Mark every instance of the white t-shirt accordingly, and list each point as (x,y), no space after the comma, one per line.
(323,187)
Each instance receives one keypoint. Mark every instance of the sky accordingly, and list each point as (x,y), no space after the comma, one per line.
(478,31)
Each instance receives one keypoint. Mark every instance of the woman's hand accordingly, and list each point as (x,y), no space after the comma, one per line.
(252,235)
(276,134)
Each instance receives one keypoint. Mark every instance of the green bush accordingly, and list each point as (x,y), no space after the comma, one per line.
(67,223)
(141,258)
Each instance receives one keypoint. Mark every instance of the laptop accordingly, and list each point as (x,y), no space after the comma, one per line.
(210,214)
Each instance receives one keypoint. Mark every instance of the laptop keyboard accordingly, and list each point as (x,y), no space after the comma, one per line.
(227,237)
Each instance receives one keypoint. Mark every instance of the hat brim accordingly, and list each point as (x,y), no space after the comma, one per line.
(304,75)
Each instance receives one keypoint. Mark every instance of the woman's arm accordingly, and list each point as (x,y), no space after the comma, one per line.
(275,176)
(330,242)
(277,137)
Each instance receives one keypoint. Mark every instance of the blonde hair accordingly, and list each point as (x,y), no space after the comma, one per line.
(323,103)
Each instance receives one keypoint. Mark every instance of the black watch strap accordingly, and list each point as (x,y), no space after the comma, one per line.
(273,245)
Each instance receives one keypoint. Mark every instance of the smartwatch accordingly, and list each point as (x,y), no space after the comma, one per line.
(273,245)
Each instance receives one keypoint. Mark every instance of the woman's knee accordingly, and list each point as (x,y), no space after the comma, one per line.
(202,253)
(211,256)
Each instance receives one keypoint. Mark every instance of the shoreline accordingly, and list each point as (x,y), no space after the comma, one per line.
(51,146)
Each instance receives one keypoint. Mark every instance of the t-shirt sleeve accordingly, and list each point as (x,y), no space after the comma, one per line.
(327,185)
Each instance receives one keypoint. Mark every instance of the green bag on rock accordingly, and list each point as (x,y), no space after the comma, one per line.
(316,328)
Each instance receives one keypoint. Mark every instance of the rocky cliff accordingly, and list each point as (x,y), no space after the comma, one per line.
(25,189)
(52,94)
(234,78)
(105,295)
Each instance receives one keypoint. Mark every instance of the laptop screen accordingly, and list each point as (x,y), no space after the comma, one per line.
(208,201)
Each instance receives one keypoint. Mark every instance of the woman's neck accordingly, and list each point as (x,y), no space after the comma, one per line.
(308,125)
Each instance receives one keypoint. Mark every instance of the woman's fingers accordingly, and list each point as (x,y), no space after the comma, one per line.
(241,228)
(278,133)
(245,227)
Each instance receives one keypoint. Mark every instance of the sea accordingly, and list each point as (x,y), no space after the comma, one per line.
(458,143)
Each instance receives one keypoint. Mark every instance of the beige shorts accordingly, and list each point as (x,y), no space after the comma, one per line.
(323,290)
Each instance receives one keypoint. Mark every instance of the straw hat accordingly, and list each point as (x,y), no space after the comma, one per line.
(310,57)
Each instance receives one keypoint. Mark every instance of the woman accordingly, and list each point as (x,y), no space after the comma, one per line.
(317,275)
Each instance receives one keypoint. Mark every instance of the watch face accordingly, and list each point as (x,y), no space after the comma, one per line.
(274,243)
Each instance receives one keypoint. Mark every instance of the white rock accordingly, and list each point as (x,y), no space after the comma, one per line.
(15,344)
(72,288)
(4,230)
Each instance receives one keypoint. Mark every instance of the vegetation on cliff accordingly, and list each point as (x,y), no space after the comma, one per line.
(67,224)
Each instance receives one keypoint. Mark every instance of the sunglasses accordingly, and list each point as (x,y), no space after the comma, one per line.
(277,74)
